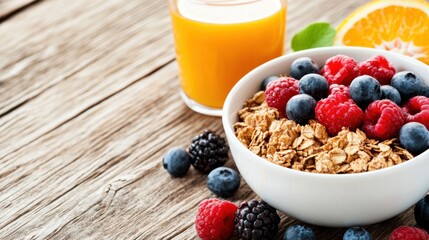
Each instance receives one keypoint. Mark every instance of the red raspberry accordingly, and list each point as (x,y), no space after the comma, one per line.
(383,119)
(279,92)
(340,69)
(417,110)
(408,233)
(215,219)
(379,68)
(338,88)
(336,112)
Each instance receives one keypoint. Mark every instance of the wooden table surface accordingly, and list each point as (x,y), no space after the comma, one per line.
(89,103)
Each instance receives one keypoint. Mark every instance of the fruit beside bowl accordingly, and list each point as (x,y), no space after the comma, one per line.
(334,200)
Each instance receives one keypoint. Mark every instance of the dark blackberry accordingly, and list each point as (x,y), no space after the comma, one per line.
(256,220)
(208,151)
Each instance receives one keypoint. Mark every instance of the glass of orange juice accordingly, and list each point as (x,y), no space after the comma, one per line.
(218,41)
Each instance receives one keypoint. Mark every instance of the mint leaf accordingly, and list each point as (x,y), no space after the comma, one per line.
(319,34)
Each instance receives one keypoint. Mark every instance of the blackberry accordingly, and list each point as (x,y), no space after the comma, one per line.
(256,220)
(208,151)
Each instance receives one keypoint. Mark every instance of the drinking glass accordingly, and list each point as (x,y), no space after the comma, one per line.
(218,41)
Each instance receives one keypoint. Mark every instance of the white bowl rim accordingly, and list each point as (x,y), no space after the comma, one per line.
(228,126)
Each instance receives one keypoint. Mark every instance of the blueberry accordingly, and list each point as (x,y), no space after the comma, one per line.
(357,233)
(223,181)
(303,66)
(177,161)
(314,85)
(267,80)
(298,232)
(389,92)
(414,137)
(408,84)
(300,108)
(425,91)
(421,213)
(365,90)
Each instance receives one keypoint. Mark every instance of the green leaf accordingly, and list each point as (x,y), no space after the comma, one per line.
(319,34)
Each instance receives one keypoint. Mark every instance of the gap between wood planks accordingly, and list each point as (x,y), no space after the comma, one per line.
(10,13)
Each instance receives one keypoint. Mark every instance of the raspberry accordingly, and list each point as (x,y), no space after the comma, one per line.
(215,219)
(338,88)
(408,233)
(279,92)
(417,110)
(383,119)
(341,69)
(336,112)
(379,68)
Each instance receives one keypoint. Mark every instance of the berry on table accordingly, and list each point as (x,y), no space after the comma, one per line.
(336,112)
(379,68)
(176,161)
(425,91)
(414,137)
(256,220)
(279,92)
(383,120)
(365,90)
(389,92)
(421,213)
(338,88)
(340,69)
(208,151)
(357,233)
(314,85)
(215,219)
(300,108)
(223,181)
(303,66)
(298,232)
(408,84)
(267,80)
(417,110)
(408,233)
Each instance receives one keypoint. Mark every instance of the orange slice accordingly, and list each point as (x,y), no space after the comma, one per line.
(395,25)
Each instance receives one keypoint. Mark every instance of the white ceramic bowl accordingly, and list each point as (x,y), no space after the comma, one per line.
(327,199)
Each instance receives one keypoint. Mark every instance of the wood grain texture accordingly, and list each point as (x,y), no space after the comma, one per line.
(89,104)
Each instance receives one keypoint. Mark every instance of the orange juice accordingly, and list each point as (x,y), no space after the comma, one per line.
(217,45)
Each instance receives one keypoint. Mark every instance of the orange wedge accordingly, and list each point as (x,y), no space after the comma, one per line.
(395,25)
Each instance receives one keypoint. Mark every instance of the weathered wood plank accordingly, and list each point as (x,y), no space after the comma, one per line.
(123,46)
(85,124)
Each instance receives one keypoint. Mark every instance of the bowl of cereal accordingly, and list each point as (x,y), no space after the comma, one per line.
(357,174)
